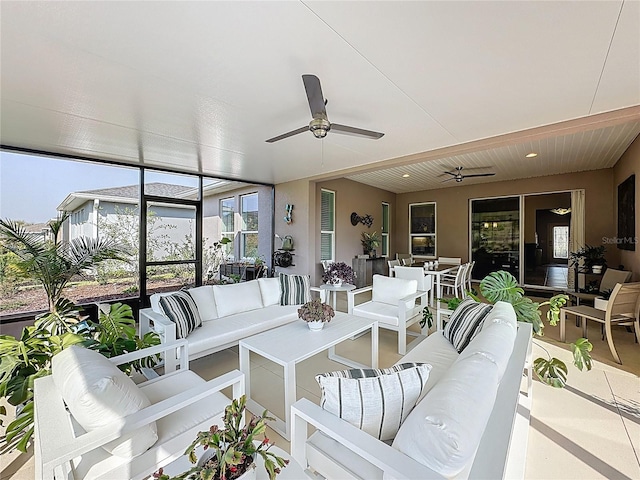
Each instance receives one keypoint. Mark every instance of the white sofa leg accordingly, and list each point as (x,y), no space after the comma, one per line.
(402,338)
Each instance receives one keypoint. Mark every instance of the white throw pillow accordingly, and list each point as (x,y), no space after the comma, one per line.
(444,430)
(98,394)
(390,289)
(270,291)
(376,401)
(237,298)
(206,303)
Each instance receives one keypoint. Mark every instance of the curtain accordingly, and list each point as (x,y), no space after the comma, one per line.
(576,229)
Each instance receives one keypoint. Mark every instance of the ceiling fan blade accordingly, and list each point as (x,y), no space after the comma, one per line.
(360,132)
(448,180)
(479,175)
(468,169)
(288,134)
(447,173)
(314,95)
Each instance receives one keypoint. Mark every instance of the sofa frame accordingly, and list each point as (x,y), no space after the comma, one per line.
(500,454)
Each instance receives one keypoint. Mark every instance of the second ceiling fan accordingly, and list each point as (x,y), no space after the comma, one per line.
(319,124)
(458,176)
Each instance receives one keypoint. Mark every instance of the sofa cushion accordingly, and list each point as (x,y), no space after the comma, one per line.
(231,329)
(496,343)
(180,308)
(294,289)
(438,352)
(444,430)
(376,401)
(237,298)
(270,291)
(206,303)
(390,290)
(502,312)
(465,323)
(98,394)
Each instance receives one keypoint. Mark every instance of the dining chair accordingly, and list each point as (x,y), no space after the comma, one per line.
(405,256)
(469,271)
(392,264)
(623,309)
(456,281)
(450,260)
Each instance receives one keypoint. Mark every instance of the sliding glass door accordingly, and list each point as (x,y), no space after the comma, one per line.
(495,235)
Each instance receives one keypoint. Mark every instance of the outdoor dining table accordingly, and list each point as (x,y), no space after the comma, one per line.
(437,271)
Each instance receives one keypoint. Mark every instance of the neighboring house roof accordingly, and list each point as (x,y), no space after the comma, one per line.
(126,194)
(37,227)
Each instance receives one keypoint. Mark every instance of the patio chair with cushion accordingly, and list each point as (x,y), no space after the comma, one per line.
(609,280)
(393,305)
(623,309)
(93,422)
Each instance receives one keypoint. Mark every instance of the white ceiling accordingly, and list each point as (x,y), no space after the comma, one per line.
(200,86)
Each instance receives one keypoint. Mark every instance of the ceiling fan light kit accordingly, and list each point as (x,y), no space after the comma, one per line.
(319,124)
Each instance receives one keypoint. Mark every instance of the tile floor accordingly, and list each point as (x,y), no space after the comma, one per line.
(588,430)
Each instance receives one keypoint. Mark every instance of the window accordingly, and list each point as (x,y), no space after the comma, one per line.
(227,214)
(249,235)
(561,242)
(327,225)
(385,230)
(422,234)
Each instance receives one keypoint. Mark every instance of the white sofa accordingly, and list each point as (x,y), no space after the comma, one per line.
(229,313)
(472,422)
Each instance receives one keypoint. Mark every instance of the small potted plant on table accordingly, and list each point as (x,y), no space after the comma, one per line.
(316,313)
(338,273)
(230,452)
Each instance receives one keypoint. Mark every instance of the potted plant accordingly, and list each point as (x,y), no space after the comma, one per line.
(338,273)
(316,313)
(230,452)
(589,259)
(369,242)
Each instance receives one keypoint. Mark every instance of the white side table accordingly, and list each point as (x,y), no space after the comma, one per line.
(329,288)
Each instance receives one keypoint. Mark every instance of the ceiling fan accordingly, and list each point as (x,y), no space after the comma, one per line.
(319,124)
(458,176)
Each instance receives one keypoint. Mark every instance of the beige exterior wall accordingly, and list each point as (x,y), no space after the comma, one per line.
(452,222)
(628,164)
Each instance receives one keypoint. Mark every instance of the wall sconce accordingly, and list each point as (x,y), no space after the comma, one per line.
(495,225)
(289,216)
(485,225)
(366,220)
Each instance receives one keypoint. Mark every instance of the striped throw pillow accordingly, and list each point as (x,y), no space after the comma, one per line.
(465,323)
(294,289)
(376,401)
(180,308)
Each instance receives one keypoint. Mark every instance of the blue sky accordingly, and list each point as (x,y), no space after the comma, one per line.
(32,187)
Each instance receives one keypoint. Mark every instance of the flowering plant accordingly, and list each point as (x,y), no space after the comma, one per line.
(316,311)
(339,271)
(233,448)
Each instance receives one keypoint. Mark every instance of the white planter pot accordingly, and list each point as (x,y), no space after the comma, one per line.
(596,269)
(315,326)
(337,282)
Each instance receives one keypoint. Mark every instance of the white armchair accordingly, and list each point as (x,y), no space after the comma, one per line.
(181,404)
(393,305)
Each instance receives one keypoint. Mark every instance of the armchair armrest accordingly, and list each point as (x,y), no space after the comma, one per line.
(180,347)
(351,297)
(393,462)
(68,447)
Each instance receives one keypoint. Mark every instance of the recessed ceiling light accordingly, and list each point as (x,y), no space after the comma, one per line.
(531,155)
(406,175)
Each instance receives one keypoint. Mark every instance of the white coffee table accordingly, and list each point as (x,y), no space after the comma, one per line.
(293,343)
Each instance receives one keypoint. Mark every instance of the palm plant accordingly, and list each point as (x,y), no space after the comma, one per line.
(54,262)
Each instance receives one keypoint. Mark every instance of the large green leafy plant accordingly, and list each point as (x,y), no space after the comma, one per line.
(54,263)
(503,286)
(230,451)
